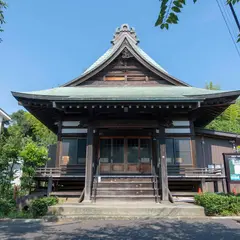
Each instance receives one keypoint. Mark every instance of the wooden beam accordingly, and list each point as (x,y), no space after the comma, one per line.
(49,188)
(89,165)
(163,164)
(59,145)
(193,144)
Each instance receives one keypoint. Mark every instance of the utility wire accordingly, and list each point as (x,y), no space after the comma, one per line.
(234,15)
(228,17)
(234,42)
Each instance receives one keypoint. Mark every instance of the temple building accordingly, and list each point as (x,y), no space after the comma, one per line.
(129,130)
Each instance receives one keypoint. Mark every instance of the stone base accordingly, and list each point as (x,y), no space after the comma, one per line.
(120,210)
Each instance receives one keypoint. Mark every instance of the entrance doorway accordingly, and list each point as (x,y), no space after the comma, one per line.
(125,155)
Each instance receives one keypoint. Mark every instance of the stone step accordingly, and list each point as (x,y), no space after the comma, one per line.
(126,210)
(124,191)
(126,179)
(125,197)
(68,200)
(125,185)
(66,193)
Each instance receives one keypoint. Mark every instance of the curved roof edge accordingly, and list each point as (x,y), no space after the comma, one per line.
(5,116)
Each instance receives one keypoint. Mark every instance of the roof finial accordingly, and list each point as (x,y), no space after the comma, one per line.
(125,30)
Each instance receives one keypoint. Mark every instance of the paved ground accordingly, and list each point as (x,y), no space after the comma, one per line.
(123,229)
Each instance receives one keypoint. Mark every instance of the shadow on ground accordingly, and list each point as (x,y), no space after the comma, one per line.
(123,229)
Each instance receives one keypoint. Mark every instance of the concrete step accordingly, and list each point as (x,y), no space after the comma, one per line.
(125,197)
(126,210)
(66,193)
(125,192)
(125,185)
(68,200)
(125,179)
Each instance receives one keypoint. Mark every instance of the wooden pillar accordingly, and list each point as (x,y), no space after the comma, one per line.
(89,164)
(203,185)
(193,145)
(59,145)
(163,164)
(49,189)
(215,186)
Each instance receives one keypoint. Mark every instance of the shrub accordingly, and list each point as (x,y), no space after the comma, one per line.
(219,204)
(51,201)
(6,206)
(39,207)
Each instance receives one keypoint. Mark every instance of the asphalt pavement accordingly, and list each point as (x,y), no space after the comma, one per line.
(197,229)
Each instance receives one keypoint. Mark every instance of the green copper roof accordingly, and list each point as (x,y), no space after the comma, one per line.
(125,93)
(114,48)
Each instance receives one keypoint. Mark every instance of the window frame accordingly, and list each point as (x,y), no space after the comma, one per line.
(61,152)
(174,151)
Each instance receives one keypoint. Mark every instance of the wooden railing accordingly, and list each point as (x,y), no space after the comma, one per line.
(190,172)
(66,171)
(173,172)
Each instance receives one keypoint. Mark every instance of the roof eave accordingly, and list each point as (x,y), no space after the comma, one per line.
(208,132)
(5,116)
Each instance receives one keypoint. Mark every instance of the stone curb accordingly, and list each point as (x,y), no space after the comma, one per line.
(25,220)
(59,218)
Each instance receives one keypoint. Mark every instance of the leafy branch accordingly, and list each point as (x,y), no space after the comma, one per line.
(169,10)
(3,6)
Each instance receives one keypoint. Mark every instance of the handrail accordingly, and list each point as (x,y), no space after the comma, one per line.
(155,185)
(173,171)
(95,181)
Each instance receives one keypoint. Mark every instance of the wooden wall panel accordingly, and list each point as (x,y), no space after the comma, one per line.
(125,70)
(211,151)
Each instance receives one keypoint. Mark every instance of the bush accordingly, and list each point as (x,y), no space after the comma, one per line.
(6,206)
(219,204)
(39,207)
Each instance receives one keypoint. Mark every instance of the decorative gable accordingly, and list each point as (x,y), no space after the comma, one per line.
(125,70)
(125,63)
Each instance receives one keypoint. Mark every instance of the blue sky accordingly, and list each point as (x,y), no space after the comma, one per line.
(47,43)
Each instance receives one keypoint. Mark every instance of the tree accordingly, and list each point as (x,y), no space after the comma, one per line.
(24,136)
(33,156)
(229,120)
(3,5)
(169,10)
(10,147)
(211,86)
(31,127)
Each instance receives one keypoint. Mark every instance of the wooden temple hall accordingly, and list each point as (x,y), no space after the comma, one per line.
(129,130)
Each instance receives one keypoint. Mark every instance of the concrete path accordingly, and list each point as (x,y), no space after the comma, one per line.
(123,230)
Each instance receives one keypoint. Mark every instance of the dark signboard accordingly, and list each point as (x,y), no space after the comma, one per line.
(232,167)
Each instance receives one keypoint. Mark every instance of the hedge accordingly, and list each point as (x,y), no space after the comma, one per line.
(219,204)
(39,207)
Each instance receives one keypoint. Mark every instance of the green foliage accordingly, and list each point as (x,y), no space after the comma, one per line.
(170,9)
(228,121)
(26,138)
(29,126)
(39,207)
(6,206)
(3,5)
(33,156)
(212,86)
(219,204)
